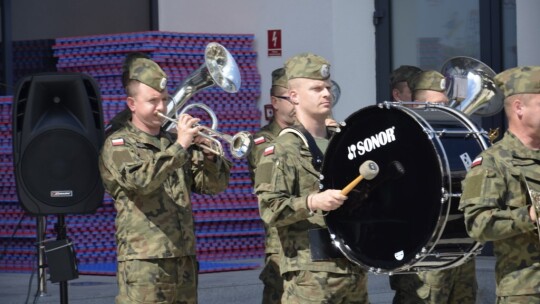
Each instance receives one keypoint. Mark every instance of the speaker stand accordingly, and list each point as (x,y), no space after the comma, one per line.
(60,228)
(42,272)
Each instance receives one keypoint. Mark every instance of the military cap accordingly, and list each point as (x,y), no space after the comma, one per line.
(126,65)
(519,80)
(428,80)
(403,73)
(148,72)
(307,65)
(279,78)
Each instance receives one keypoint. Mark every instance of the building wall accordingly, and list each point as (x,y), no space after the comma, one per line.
(528,23)
(341,31)
(35,19)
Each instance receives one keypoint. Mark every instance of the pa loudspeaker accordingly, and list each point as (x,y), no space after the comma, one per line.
(57,135)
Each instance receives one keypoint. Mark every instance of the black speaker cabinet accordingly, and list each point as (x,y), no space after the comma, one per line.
(61,260)
(57,135)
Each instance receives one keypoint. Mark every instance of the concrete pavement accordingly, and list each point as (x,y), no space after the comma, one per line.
(242,287)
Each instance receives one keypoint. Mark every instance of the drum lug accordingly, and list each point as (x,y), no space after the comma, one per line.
(430,133)
(422,253)
(446,196)
(376,270)
(340,125)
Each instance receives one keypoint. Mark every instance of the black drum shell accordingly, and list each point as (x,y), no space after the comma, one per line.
(396,222)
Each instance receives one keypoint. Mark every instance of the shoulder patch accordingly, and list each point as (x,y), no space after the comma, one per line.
(120,157)
(259,140)
(476,162)
(117,141)
(268,151)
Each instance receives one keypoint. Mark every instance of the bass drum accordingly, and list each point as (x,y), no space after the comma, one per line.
(406,219)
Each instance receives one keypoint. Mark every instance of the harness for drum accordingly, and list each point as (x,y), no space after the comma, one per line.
(405,222)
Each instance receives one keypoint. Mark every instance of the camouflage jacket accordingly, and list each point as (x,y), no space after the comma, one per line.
(284,178)
(262,140)
(151,179)
(494,202)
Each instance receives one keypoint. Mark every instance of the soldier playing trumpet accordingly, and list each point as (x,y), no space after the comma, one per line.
(150,174)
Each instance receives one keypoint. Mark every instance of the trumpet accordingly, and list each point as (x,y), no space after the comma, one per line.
(219,68)
(240,144)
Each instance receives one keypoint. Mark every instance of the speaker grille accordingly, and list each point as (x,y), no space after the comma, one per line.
(60,162)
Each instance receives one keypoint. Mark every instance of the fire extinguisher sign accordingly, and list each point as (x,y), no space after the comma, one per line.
(274,43)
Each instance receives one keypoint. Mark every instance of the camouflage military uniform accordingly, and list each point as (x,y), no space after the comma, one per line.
(284,179)
(455,285)
(150,179)
(270,275)
(262,139)
(494,201)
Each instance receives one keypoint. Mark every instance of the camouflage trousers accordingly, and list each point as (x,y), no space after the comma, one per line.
(171,280)
(528,299)
(455,285)
(272,280)
(303,287)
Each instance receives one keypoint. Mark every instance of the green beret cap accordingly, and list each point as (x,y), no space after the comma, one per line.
(148,72)
(279,78)
(520,80)
(403,73)
(307,65)
(428,80)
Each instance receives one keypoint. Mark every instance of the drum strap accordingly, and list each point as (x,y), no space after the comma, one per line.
(309,141)
(321,246)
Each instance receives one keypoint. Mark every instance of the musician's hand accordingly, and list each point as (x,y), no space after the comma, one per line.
(205,142)
(186,130)
(532,213)
(327,200)
(329,122)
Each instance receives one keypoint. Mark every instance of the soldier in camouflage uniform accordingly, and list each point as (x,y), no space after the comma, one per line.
(398,82)
(150,174)
(455,285)
(287,186)
(496,199)
(283,117)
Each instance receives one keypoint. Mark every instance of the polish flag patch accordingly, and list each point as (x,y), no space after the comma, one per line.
(259,140)
(477,161)
(118,142)
(269,151)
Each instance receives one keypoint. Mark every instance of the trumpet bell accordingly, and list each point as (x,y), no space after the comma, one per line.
(471,88)
(241,144)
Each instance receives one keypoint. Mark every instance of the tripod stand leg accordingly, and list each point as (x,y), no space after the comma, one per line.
(62,235)
(42,272)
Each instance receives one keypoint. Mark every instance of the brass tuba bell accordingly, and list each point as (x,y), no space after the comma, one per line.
(470,87)
(219,68)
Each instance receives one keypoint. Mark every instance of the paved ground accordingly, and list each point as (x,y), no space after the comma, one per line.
(242,287)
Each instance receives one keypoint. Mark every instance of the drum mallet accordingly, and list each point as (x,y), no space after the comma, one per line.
(368,170)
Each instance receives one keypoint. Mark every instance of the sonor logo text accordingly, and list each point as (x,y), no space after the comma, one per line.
(371,143)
